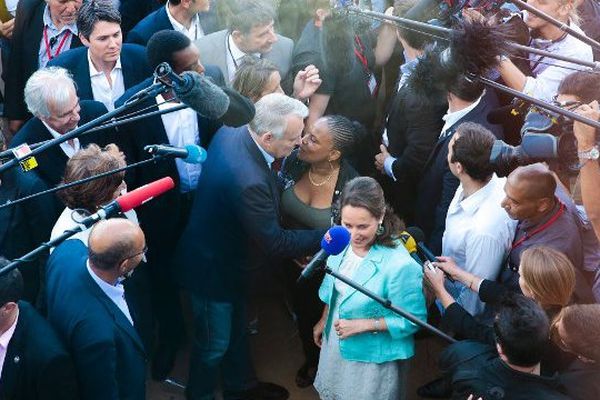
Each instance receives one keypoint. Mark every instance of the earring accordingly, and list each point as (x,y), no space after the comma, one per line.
(380,230)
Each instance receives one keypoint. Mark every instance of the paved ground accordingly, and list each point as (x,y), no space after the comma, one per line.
(277,354)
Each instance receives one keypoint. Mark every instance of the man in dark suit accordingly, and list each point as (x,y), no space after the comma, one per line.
(34,364)
(106,68)
(467,103)
(190,17)
(48,26)
(234,230)
(178,128)
(101,336)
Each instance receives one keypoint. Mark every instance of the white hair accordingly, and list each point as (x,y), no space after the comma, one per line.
(48,85)
(272,111)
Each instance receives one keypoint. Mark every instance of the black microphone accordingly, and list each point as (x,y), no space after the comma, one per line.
(499,115)
(334,242)
(196,91)
(419,237)
(190,154)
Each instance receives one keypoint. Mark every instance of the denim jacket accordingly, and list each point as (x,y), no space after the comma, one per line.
(392,274)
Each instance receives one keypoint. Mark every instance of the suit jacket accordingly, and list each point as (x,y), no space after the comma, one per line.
(234,223)
(52,162)
(392,274)
(159,21)
(438,184)
(213,50)
(133,11)
(109,356)
(36,366)
(133,63)
(25,47)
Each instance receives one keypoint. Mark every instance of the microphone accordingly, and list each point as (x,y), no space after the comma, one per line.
(499,115)
(190,154)
(410,244)
(130,200)
(334,242)
(195,90)
(419,237)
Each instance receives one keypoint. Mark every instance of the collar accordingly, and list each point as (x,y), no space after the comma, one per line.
(179,26)
(408,67)
(94,72)
(236,53)
(268,158)
(453,117)
(6,336)
(53,132)
(50,24)
(112,291)
(528,225)
(471,204)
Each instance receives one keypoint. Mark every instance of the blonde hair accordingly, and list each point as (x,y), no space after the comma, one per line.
(573,13)
(549,276)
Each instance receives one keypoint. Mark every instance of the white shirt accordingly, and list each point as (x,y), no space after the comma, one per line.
(547,78)
(182,129)
(478,236)
(102,90)
(268,158)
(5,340)
(65,146)
(11,7)
(234,57)
(349,265)
(114,292)
(452,118)
(195,31)
(58,35)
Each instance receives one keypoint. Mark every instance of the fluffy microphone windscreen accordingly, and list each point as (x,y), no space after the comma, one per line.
(335,240)
(139,196)
(203,96)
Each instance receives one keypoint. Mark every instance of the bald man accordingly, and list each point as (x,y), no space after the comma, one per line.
(547,216)
(88,309)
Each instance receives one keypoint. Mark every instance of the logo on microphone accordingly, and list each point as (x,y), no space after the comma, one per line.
(327,237)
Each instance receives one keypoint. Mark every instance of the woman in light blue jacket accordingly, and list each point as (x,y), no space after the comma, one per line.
(365,347)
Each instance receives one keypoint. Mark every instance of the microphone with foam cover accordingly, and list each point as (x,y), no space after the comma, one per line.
(190,154)
(333,243)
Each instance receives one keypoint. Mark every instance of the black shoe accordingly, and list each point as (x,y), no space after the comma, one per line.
(306,375)
(163,362)
(436,389)
(262,391)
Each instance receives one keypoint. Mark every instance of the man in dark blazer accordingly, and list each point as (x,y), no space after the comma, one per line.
(89,309)
(194,18)
(34,364)
(467,103)
(234,230)
(34,17)
(163,232)
(104,55)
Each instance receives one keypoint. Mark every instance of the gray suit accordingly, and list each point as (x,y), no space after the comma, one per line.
(213,50)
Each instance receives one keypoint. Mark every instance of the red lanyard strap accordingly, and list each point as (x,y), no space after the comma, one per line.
(60,45)
(360,53)
(552,220)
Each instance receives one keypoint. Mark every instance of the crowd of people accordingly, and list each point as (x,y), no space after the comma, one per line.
(311,117)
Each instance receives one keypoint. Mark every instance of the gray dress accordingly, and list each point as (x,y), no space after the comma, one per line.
(341,379)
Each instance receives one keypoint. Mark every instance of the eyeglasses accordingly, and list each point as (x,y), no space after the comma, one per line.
(141,253)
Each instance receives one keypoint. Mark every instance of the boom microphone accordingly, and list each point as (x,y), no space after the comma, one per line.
(190,154)
(333,243)
(196,91)
(130,200)
(419,237)
(410,244)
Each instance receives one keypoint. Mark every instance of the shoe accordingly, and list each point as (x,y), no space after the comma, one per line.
(436,389)
(163,362)
(262,391)
(306,375)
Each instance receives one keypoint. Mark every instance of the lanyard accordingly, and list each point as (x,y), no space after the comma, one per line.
(60,45)
(535,64)
(540,228)
(360,54)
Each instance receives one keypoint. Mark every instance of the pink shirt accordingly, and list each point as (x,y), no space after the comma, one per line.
(4,340)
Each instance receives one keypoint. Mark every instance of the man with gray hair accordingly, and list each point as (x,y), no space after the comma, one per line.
(232,232)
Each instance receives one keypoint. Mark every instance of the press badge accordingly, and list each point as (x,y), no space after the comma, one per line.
(27,163)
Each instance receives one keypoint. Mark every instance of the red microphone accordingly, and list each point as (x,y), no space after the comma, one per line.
(130,200)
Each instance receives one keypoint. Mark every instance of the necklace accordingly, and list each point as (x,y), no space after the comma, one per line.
(312,181)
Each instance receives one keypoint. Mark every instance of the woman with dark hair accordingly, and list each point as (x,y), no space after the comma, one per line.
(313,178)
(364,346)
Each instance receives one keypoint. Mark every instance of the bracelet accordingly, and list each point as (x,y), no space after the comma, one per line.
(376,328)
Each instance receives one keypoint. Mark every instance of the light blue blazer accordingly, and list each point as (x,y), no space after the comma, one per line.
(392,274)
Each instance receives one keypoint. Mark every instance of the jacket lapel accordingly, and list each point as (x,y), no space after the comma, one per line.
(11,370)
(85,83)
(365,271)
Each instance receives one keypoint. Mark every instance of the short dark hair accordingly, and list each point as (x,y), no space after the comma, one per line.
(522,329)
(163,45)
(87,162)
(93,11)
(581,323)
(250,13)
(365,192)
(466,89)
(583,84)
(11,284)
(472,149)
(111,257)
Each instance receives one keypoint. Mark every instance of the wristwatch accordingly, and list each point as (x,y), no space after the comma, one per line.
(591,154)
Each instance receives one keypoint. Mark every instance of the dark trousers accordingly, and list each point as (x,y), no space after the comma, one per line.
(308,308)
(220,345)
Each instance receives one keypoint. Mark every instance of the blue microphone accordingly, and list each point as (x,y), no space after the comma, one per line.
(190,154)
(333,243)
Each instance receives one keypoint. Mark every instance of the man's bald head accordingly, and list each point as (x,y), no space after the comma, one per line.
(535,181)
(113,241)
